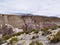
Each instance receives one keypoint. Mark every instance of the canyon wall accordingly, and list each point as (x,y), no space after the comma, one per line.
(19,21)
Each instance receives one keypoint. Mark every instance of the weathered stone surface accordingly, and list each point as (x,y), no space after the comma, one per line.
(6,29)
(29,23)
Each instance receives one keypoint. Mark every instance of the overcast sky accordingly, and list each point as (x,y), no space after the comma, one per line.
(40,7)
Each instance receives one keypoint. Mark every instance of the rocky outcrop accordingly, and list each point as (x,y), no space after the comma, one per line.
(30,25)
(6,29)
(30,22)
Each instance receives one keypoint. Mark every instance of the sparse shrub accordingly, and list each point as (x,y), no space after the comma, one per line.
(36,31)
(58,26)
(6,37)
(58,33)
(14,40)
(46,31)
(33,37)
(32,43)
(36,43)
(17,34)
(55,27)
(56,38)
(27,32)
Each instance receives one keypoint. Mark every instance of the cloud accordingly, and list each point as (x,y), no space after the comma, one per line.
(39,7)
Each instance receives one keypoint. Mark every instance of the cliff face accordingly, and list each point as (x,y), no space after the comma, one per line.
(29,22)
(13,20)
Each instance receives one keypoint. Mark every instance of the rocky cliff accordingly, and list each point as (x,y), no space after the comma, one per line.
(29,22)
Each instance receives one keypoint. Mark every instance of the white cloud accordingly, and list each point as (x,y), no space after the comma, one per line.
(41,7)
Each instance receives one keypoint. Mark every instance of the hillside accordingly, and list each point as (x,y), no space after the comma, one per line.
(31,21)
(20,29)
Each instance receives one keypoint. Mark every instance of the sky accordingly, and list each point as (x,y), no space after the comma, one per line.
(37,7)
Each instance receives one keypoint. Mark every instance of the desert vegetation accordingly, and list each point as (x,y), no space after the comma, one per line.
(33,35)
(46,31)
(31,32)
(56,37)
(36,43)
(14,40)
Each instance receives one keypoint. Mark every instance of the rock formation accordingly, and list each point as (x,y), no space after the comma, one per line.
(30,22)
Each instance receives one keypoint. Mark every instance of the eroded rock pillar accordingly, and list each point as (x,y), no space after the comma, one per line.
(5,19)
